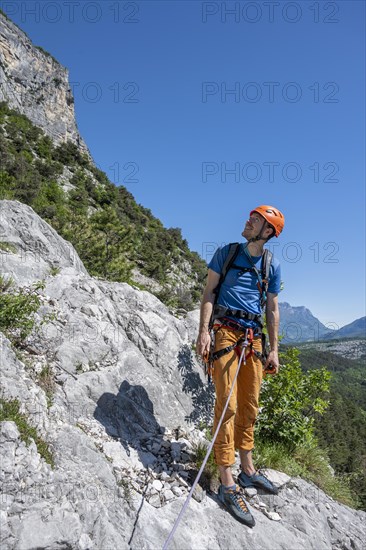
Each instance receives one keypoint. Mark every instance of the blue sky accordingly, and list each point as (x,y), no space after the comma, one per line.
(204,110)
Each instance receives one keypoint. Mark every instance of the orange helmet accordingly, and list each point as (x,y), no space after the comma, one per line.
(274,217)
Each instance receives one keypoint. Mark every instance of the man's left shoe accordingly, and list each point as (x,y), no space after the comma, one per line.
(258,481)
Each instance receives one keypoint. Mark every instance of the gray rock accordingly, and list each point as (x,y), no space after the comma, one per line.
(155,501)
(35,84)
(157,484)
(102,488)
(38,245)
(250,491)
(185,457)
(279,479)
(9,431)
(274,516)
(175,450)
(199,494)
(182,482)
(165,476)
(85,542)
(168,494)
(177,491)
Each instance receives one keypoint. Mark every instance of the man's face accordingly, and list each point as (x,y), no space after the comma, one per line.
(254,225)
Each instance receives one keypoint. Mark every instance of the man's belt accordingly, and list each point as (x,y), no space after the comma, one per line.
(225,322)
(222,311)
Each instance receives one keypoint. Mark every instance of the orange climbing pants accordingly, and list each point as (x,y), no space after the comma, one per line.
(237,428)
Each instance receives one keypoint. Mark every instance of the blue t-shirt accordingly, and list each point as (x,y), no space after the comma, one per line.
(240,291)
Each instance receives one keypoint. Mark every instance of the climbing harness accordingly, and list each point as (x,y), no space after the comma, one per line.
(242,359)
(247,338)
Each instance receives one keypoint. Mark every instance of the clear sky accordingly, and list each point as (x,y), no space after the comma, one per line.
(204,110)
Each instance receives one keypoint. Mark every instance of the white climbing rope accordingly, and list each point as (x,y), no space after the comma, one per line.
(185,505)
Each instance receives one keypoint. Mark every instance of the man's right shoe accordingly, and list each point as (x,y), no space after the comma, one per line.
(258,481)
(236,505)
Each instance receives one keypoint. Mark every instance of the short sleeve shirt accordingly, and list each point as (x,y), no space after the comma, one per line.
(240,290)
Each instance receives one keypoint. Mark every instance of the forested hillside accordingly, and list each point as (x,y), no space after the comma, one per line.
(342,428)
(116,238)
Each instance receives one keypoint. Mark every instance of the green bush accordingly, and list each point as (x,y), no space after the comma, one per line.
(290,402)
(17,309)
(7,186)
(44,147)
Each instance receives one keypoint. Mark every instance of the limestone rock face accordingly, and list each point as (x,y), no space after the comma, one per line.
(38,247)
(120,418)
(34,83)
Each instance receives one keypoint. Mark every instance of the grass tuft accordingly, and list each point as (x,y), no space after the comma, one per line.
(309,462)
(9,411)
(8,247)
(210,475)
(47,382)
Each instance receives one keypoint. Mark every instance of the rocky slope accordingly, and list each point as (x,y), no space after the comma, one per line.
(121,422)
(35,83)
(350,349)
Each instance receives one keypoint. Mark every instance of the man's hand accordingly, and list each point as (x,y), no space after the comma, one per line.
(203,344)
(272,364)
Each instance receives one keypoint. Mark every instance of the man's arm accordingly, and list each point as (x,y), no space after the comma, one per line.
(273,325)
(208,298)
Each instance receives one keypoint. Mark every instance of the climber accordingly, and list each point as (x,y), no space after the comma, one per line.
(232,315)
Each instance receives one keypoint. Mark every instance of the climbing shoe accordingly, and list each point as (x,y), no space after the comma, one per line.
(234,502)
(258,481)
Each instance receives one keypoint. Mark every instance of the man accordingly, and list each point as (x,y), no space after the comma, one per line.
(240,296)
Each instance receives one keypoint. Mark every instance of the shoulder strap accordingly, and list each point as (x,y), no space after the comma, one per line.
(230,259)
(263,276)
(266,266)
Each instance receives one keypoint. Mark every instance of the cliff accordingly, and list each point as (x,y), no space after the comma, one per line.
(34,83)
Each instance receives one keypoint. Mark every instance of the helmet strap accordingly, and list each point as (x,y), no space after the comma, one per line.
(259,236)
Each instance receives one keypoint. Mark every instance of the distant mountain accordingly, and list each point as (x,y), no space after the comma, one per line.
(356,329)
(298,324)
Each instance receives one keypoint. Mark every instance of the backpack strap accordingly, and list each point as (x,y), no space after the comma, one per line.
(266,266)
(230,259)
(263,276)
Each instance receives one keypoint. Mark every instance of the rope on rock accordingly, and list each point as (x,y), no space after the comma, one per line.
(185,505)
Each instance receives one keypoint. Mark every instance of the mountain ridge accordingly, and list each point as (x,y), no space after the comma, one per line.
(298,324)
